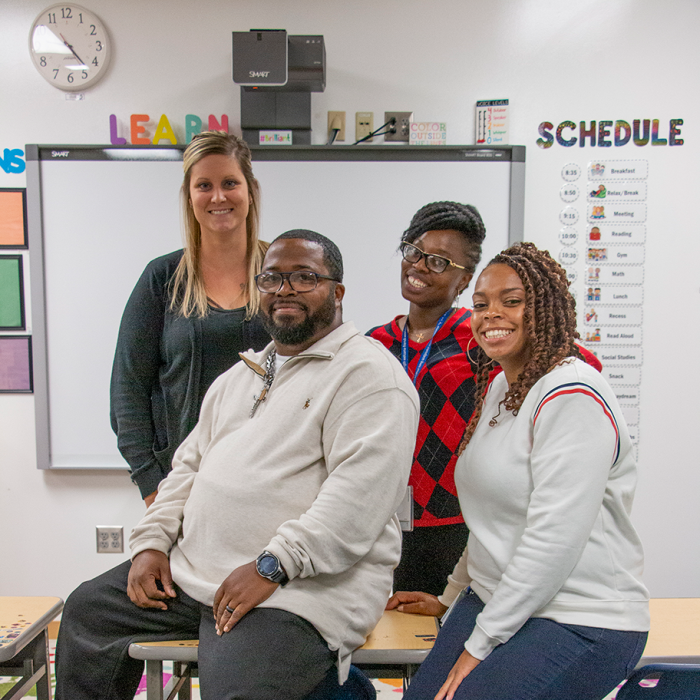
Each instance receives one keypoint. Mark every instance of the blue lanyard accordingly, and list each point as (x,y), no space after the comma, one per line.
(426,350)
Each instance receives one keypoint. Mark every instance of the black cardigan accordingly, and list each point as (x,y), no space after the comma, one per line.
(156,388)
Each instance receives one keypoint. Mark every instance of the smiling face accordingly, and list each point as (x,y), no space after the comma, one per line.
(427,289)
(296,320)
(219,196)
(498,319)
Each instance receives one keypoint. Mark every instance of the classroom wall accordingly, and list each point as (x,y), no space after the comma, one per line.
(555,61)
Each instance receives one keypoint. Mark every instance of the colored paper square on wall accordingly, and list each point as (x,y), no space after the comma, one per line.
(13,219)
(11,293)
(16,363)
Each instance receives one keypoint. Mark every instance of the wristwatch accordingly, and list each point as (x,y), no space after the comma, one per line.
(268,566)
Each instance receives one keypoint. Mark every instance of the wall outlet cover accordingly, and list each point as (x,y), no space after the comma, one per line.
(110,539)
(403,126)
(364,125)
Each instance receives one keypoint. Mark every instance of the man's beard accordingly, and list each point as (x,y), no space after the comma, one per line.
(300,332)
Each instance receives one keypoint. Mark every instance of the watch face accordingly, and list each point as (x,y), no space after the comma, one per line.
(69,46)
(267,565)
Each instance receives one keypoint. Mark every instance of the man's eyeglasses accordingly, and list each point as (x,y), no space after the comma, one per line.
(299,281)
(435,263)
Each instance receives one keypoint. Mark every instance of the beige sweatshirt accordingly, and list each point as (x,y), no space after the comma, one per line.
(314,477)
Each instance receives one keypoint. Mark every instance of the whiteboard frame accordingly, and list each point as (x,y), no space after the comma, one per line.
(36,154)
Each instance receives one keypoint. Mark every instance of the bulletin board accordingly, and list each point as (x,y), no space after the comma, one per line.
(97,215)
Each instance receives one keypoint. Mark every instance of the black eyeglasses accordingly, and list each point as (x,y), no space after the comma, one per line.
(299,281)
(435,263)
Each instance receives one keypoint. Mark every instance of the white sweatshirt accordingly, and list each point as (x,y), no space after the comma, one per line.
(314,477)
(547,496)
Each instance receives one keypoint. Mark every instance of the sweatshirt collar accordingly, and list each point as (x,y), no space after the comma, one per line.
(324,349)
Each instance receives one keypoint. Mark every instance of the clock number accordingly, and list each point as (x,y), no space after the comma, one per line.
(66,13)
(52,18)
(70,77)
(99,46)
(55,73)
(81,18)
(94,62)
(42,61)
(92,30)
(85,75)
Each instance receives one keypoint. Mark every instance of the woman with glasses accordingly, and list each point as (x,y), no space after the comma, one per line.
(191,312)
(441,249)
(547,600)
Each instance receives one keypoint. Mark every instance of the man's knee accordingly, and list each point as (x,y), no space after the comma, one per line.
(90,597)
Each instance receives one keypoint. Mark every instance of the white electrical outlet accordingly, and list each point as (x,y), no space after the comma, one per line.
(364,125)
(110,539)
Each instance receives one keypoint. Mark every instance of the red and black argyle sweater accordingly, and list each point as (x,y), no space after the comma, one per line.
(446,389)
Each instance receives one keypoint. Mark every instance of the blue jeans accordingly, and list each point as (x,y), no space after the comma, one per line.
(543,660)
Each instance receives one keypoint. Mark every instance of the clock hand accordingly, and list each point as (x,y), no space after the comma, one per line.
(71,49)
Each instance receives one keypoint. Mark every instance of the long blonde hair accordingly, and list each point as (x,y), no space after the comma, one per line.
(187,294)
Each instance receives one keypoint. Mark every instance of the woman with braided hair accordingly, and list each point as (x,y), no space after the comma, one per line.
(548,600)
(441,249)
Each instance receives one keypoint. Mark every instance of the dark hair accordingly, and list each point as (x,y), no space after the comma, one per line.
(332,258)
(550,323)
(443,216)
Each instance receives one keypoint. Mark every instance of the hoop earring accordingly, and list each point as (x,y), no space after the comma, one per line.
(466,352)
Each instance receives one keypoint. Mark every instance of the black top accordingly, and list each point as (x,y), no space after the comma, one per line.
(163,365)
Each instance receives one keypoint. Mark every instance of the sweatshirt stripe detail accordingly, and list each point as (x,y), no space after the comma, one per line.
(586,390)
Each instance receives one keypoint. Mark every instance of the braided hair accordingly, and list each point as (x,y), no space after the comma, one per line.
(550,324)
(445,216)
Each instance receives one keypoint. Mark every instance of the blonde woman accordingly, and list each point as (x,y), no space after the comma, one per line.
(191,312)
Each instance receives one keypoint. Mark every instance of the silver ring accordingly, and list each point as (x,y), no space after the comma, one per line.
(229,610)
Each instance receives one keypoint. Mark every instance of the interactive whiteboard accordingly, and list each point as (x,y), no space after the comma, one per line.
(97,215)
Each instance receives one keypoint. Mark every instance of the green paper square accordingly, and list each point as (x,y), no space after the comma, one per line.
(11,296)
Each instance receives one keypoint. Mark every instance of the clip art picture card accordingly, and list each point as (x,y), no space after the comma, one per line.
(13,230)
(16,363)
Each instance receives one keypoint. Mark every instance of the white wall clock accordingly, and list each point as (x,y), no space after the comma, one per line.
(69,46)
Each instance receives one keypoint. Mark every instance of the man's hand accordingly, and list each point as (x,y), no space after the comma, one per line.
(149,567)
(466,663)
(241,591)
(417,603)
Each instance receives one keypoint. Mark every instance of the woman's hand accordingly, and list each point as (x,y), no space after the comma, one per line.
(466,663)
(417,603)
(148,500)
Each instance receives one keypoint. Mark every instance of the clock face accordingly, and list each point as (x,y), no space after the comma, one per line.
(69,46)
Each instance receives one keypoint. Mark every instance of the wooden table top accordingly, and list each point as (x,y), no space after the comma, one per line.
(675,627)
(675,630)
(22,618)
(395,630)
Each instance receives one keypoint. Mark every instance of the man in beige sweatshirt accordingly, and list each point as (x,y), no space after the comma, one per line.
(274,537)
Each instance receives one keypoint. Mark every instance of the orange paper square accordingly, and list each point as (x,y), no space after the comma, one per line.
(11,219)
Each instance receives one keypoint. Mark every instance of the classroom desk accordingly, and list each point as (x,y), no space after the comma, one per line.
(674,637)
(24,643)
(400,643)
(395,648)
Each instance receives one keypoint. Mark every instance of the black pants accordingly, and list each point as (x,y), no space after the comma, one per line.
(428,556)
(270,654)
